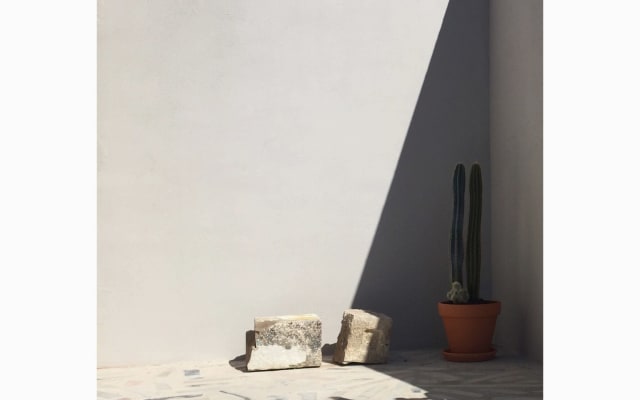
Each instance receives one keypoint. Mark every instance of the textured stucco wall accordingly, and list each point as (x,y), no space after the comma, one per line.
(516,172)
(245,152)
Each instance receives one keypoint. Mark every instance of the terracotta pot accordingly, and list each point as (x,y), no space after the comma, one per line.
(469,329)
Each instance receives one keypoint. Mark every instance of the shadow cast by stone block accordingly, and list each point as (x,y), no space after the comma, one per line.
(327,353)
(413,398)
(239,363)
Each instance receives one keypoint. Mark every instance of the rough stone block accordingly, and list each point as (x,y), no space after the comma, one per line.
(364,338)
(289,341)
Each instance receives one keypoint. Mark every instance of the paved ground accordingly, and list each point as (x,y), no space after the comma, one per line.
(408,375)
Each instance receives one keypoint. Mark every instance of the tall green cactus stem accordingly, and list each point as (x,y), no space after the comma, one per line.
(473,232)
(457,250)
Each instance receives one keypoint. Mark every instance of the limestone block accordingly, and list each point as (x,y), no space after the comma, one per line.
(289,341)
(364,338)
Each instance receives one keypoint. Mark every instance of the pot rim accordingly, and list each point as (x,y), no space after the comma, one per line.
(485,310)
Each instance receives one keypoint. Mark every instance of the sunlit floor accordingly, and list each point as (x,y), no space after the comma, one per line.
(407,375)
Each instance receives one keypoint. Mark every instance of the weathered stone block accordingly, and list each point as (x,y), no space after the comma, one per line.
(289,341)
(364,338)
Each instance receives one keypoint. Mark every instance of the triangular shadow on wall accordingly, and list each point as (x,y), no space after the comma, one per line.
(406,271)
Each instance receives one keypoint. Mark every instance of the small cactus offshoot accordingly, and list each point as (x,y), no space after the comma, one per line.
(458,294)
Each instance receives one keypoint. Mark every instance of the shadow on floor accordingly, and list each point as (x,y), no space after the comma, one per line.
(239,363)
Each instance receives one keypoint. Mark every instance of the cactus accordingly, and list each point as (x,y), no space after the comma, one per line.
(457,251)
(473,233)
(459,293)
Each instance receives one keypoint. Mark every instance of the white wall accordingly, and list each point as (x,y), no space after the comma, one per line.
(245,150)
(516,172)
